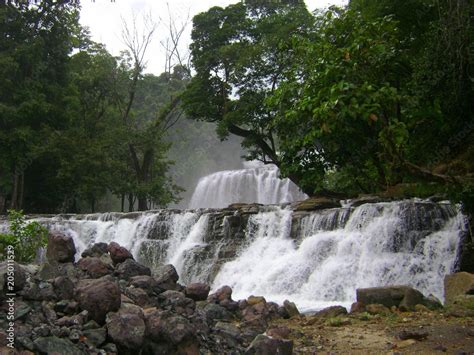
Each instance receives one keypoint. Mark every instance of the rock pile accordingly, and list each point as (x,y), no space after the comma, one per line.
(108,303)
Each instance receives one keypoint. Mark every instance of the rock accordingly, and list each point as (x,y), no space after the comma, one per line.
(316,203)
(197,291)
(363,199)
(126,328)
(97,250)
(376,308)
(55,345)
(21,310)
(224,293)
(50,270)
(279,332)
(146,283)
(404,297)
(215,312)
(227,329)
(457,284)
(264,345)
(166,276)
(431,302)
(406,343)
(291,308)
(94,267)
(357,307)
(98,297)
(118,253)
(95,337)
(92,324)
(15,282)
(253,300)
(60,248)
(331,312)
(63,287)
(178,302)
(130,268)
(412,334)
(163,326)
(138,296)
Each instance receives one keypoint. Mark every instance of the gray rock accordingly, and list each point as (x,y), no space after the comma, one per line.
(97,250)
(96,337)
(291,308)
(55,345)
(63,287)
(166,276)
(331,312)
(264,345)
(60,248)
(214,312)
(130,268)
(404,297)
(19,277)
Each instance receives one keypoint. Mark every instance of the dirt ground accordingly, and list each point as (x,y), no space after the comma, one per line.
(426,332)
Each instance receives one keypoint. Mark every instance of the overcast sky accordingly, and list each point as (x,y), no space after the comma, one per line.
(103,18)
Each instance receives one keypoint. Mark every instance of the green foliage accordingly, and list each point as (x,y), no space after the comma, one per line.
(26,237)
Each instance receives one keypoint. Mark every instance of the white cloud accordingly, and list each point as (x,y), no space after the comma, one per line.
(103,18)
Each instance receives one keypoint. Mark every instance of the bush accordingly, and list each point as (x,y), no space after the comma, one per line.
(26,237)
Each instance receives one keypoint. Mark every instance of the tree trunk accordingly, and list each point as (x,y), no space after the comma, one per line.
(142,204)
(14,197)
(131,202)
(22,191)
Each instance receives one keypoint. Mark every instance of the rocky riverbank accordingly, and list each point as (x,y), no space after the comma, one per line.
(107,303)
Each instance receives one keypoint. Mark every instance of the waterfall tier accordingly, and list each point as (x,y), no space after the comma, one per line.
(313,258)
(257,183)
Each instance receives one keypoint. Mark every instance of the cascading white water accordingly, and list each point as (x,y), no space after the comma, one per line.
(323,261)
(376,247)
(257,183)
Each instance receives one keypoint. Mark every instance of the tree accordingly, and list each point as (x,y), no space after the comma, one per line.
(34,49)
(239,54)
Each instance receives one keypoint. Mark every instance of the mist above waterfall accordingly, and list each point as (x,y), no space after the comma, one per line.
(256,183)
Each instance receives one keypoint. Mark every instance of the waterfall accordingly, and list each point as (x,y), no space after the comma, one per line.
(313,258)
(257,183)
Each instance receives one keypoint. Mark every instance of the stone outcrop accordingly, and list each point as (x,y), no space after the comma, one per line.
(457,286)
(60,248)
(97,306)
(403,297)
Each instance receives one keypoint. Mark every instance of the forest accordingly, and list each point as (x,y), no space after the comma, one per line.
(373,97)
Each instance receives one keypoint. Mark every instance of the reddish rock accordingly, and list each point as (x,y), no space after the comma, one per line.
(98,297)
(126,328)
(94,267)
(197,291)
(357,307)
(118,253)
(60,248)
(224,293)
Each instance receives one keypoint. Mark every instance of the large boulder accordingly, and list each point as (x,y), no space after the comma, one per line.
(118,253)
(12,277)
(94,267)
(130,268)
(222,294)
(197,291)
(96,250)
(166,276)
(98,297)
(60,248)
(126,327)
(55,345)
(166,327)
(457,285)
(404,297)
(265,345)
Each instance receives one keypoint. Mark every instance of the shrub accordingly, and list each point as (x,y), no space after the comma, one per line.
(26,237)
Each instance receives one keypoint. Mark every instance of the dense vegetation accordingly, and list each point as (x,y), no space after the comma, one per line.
(373,97)
(353,100)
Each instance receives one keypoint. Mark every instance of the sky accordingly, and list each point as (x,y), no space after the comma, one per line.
(104,20)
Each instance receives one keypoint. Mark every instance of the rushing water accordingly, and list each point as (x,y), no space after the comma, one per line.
(323,261)
(257,183)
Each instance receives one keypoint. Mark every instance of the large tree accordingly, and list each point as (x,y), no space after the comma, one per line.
(239,54)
